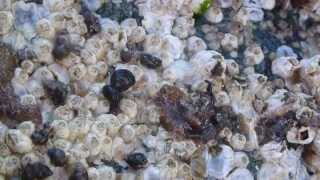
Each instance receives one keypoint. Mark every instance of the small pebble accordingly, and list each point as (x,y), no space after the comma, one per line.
(137,160)
(150,61)
(112,94)
(40,137)
(57,157)
(122,79)
(35,170)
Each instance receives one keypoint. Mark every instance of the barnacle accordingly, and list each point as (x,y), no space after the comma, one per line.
(11,107)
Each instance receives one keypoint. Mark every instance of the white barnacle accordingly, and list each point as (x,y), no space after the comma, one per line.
(35,88)
(45,29)
(60,72)
(43,48)
(78,128)
(229,42)
(303,135)
(63,112)
(253,55)
(18,142)
(285,67)
(106,172)
(128,107)
(78,71)
(88,57)
(26,127)
(61,128)
(28,99)
(94,142)
(241,159)
(222,98)
(137,35)
(232,67)
(127,133)
(90,101)
(214,14)
(63,144)
(129,25)
(42,74)
(4,151)
(27,66)
(112,122)
(29,158)
(6,21)
(238,141)
(195,44)
(11,165)
(75,101)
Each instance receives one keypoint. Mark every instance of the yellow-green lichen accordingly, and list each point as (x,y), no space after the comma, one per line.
(204,6)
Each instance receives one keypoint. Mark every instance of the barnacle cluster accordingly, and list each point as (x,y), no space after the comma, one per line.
(159,89)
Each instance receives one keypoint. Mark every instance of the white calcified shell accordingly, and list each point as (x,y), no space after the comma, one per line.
(173,45)
(303,135)
(255,14)
(285,66)
(45,29)
(27,127)
(229,42)
(154,23)
(272,171)
(5,5)
(150,173)
(18,142)
(241,160)
(286,51)
(253,55)
(268,4)
(178,71)
(243,174)
(204,61)
(60,72)
(219,166)
(6,21)
(238,141)
(195,44)
(214,14)
(43,48)
(271,151)
(11,165)
(182,26)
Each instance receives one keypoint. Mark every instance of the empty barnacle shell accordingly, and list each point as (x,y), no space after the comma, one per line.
(303,135)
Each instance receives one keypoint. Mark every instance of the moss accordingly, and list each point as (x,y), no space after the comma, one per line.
(204,6)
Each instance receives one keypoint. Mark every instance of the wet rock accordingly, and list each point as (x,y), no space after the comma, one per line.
(150,61)
(186,117)
(137,160)
(35,170)
(57,156)
(122,79)
(56,91)
(10,106)
(112,94)
(8,64)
